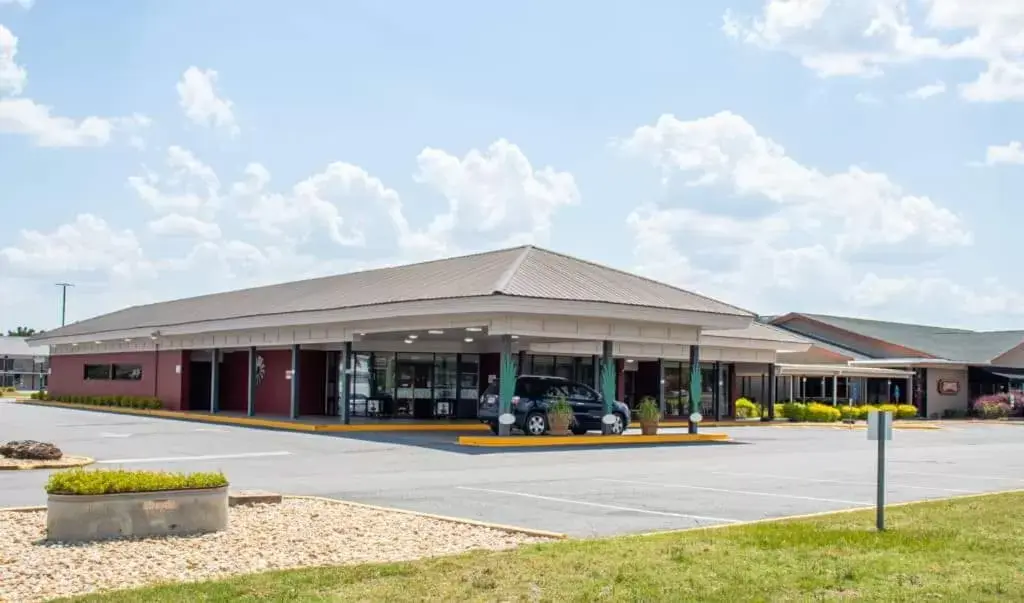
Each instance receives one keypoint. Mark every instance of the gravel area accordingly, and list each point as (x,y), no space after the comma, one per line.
(294,533)
(61,463)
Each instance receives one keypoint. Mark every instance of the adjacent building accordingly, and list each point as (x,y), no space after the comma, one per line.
(23,366)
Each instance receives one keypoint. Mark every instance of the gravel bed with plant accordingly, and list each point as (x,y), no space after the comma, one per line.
(294,533)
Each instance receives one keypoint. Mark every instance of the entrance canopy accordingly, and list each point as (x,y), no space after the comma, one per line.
(464,303)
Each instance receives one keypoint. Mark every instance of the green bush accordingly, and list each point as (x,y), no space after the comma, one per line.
(906,411)
(848,413)
(889,408)
(794,411)
(820,413)
(116,481)
(142,402)
(648,410)
(745,409)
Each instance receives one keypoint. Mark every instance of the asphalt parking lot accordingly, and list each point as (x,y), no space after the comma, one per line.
(766,472)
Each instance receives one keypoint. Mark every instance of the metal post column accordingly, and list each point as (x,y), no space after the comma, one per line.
(250,404)
(214,381)
(696,387)
(661,386)
(347,367)
(770,402)
(294,406)
(835,390)
(506,386)
(607,384)
(791,388)
(719,387)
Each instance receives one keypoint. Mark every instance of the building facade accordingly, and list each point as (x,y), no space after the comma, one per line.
(23,366)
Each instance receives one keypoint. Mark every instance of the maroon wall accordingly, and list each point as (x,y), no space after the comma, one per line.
(312,382)
(159,377)
(645,382)
(490,364)
(234,382)
(273,394)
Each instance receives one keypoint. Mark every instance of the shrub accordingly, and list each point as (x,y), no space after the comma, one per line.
(794,411)
(848,413)
(143,402)
(116,481)
(906,411)
(745,409)
(820,413)
(863,410)
(647,411)
(889,408)
(992,407)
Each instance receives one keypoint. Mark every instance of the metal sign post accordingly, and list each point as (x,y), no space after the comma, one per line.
(880,430)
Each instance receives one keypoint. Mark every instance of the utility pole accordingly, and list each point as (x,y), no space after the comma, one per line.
(63,301)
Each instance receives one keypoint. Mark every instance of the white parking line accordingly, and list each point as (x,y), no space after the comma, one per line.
(836,481)
(205,457)
(961,476)
(600,505)
(743,492)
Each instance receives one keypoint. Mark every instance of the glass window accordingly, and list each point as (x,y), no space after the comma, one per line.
(585,370)
(564,367)
(383,368)
(557,390)
(445,376)
(97,372)
(469,377)
(543,365)
(127,372)
(581,392)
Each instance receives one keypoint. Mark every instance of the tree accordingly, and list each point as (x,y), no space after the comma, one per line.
(22,332)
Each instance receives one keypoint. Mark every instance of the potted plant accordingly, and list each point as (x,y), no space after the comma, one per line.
(113,503)
(560,417)
(650,416)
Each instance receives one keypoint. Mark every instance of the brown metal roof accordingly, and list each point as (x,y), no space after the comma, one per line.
(520,271)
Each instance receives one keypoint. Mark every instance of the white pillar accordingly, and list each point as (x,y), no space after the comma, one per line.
(791,388)
(835,390)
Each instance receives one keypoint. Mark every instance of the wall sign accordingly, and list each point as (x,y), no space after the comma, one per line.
(948,387)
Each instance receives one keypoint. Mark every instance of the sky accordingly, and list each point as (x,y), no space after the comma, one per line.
(857,158)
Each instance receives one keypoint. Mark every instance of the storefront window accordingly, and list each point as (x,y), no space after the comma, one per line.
(446,376)
(564,367)
(469,386)
(543,365)
(585,370)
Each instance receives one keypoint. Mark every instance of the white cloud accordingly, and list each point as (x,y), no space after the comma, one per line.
(198,97)
(86,245)
(178,225)
(12,75)
(927,91)
(496,190)
(779,230)
(191,187)
(866,37)
(1008,153)
(26,4)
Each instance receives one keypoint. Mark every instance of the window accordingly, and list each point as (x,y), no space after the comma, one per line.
(97,372)
(127,372)
(557,390)
(582,392)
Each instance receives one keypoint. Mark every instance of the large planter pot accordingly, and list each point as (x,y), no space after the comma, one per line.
(649,427)
(73,518)
(559,425)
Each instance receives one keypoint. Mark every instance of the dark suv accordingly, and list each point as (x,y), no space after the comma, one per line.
(533,395)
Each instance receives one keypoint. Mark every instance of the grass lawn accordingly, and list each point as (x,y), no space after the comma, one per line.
(967,549)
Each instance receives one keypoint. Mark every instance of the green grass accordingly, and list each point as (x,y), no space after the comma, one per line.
(118,481)
(957,550)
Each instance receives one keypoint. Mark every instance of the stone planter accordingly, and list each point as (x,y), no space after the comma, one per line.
(559,425)
(649,427)
(73,518)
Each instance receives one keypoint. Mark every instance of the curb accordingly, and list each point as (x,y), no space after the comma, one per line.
(471,522)
(79,461)
(492,441)
(22,509)
(825,513)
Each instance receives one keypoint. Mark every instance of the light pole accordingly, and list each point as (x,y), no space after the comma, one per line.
(63,301)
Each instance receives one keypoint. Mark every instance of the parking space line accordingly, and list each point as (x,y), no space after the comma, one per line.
(205,457)
(836,481)
(743,492)
(986,477)
(600,505)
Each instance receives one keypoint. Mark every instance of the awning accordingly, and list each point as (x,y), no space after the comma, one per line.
(1010,374)
(840,370)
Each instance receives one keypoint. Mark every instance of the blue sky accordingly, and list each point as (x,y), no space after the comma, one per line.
(782,156)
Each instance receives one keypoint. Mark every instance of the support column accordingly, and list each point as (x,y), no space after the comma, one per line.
(294,412)
(662,406)
(214,381)
(506,385)
(347,368)
(835,390)
(250,405)
(719,387)
(791,388)
(910,390)
(696,388)
(607,384)
(770,402)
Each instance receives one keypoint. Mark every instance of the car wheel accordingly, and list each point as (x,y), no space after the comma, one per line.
(619,425)
(577,430)
(494,427)
(536,424)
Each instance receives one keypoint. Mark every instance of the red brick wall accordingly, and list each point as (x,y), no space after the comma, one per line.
(158,376)
(312,381)
(234,382)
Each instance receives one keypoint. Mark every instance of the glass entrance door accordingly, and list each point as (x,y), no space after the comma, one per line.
(414,392)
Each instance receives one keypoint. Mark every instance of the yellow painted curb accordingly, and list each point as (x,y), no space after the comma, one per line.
(825,513)
(67,462)
(493,441)
(471,522)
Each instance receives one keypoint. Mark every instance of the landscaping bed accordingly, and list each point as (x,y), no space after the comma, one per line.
(294,533)
(964,549)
